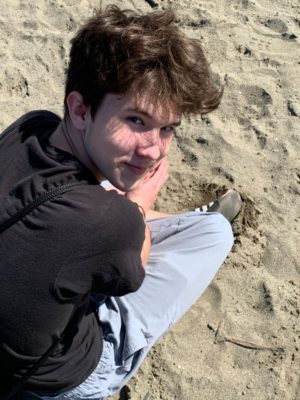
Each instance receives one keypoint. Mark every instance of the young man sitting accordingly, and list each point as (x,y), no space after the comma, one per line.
(95,275)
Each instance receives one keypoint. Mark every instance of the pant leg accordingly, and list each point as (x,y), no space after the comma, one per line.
(187,251)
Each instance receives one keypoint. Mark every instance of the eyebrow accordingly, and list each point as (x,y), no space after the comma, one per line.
(146,114)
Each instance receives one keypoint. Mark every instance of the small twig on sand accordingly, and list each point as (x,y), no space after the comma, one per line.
(147,396)
(221,337)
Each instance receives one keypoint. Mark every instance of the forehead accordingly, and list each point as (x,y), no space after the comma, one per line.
(162,114)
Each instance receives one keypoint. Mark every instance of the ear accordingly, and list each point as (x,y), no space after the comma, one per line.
(77,109)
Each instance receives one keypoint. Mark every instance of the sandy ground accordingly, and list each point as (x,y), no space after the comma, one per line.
(242,338)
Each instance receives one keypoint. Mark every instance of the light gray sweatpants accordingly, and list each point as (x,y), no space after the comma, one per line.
(187,251)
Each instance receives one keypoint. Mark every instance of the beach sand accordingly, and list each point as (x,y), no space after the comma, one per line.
(241,340)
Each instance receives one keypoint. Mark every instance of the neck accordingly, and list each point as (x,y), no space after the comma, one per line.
(70,139)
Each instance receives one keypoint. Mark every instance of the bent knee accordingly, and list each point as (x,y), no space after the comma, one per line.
(215,232)
(224,228)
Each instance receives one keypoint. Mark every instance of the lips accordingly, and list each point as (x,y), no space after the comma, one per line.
(136,170)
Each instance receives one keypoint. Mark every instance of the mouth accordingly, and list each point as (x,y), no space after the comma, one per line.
(137,170)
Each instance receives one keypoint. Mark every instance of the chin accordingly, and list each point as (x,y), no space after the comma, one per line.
(125,183)
(129,186)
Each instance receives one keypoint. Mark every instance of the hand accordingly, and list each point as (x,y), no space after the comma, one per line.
(147,190)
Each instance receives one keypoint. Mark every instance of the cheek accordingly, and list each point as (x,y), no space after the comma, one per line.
(123,140)
(165,145)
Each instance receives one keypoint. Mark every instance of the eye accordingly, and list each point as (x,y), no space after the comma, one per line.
(168,130)
(135,120)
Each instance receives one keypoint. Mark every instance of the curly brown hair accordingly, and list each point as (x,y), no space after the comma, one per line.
(122,52)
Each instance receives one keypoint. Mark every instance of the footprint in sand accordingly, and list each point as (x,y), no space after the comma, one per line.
(261,137)
(275,25)
(15,83)
(265,304)
(258,100)
(185,145)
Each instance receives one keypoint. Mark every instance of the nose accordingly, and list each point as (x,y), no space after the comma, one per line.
(149,145)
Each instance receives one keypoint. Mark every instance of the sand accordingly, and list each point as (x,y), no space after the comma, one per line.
(241,340)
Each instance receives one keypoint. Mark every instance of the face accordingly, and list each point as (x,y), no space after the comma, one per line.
(127,139)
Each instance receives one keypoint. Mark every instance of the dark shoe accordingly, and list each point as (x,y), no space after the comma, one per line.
(228,205)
